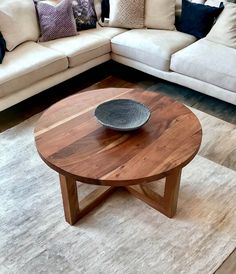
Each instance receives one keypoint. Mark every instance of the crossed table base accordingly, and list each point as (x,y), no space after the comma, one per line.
(74,209)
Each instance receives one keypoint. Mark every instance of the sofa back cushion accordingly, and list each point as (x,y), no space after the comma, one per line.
(216,3)
(98,8)
(18,22)
(160,14)
(224,30)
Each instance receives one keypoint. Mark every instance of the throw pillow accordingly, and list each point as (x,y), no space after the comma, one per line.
(18,22)
(127,14)
(224,30)
(105,5)
(160,14)
(56,21)
(197,19)
(2,48)
(85,14)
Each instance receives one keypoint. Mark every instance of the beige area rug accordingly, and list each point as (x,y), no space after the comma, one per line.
(123,235)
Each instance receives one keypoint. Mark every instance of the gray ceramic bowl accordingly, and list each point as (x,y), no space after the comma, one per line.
(122,114)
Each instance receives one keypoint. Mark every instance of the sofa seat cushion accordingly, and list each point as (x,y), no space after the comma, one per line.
(209,62)
(107,32)
(27,64)
(151,47)
(81,48)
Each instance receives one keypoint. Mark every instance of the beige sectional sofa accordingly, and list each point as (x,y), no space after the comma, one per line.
(201,65)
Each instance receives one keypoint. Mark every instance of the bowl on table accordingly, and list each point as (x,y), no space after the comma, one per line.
(122,114)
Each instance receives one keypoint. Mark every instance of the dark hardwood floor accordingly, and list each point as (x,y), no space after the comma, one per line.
(115,75)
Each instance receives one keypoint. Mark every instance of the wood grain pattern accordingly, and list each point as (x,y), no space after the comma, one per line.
(71,141)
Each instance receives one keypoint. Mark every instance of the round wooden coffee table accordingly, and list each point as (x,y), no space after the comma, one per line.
(71,141)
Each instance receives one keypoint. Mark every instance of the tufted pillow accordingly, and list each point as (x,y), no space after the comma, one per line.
(18,22)
(224,30)
(56,21)
(126,14)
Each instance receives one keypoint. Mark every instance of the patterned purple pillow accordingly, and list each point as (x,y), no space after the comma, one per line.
(85,14)
(56,21)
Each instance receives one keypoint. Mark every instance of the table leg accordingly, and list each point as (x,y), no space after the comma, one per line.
(172,192)
(166,204)
(75,209)
(70,199)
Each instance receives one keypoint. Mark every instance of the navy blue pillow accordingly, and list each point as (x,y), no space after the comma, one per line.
(197,19)
(105,9)
(2,48)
